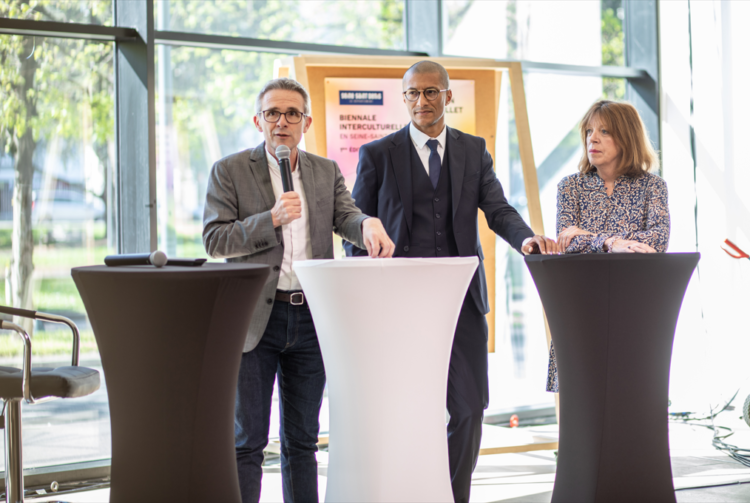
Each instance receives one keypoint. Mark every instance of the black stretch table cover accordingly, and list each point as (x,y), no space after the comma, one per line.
(612,319)
(170,341)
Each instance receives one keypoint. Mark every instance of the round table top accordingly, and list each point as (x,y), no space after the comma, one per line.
(367,262)
(592,257)
(210,268)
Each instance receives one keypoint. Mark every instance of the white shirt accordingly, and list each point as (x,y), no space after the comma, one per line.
(419,139)
(297,244)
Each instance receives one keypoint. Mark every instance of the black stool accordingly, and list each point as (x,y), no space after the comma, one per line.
(35,386)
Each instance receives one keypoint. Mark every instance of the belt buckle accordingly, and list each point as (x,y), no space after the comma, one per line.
(300,298)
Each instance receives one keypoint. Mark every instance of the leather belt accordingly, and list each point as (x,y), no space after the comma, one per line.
(294,298)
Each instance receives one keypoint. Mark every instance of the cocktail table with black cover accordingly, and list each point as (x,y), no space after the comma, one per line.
(170,341)
(612,318)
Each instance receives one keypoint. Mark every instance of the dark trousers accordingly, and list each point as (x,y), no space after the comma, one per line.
(468,396)
(288,351)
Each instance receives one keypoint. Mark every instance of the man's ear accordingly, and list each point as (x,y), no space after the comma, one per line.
(308,121)
(257,123)
(448,96)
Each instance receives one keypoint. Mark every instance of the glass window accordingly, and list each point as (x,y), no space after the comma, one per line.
(574,32)
(205,108)
(56,212)
(97,12)
(375,24)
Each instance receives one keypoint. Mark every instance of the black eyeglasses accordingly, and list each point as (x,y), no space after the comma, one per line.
(431,94)
(292,116)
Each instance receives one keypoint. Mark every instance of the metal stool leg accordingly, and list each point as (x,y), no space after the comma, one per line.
(13,452)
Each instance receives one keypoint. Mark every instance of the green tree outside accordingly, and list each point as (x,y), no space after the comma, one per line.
(50,87)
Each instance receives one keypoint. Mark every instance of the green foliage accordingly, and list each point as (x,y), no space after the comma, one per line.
(5,239)
(362,23)
(70,75)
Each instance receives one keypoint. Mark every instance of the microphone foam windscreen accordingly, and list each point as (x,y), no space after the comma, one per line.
(158,258)
(283,152)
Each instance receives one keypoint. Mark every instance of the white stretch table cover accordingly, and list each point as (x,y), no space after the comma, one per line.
(386,329)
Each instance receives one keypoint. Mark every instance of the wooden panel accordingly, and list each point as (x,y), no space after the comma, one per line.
(524,146)
(283,71)
(547,446)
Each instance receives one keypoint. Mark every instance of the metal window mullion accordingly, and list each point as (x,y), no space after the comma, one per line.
(641,29)
(424,27)
(135,126)
(211,41)
(26,27)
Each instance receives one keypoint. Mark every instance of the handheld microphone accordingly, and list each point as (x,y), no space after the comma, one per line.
(157,258)
(282,154)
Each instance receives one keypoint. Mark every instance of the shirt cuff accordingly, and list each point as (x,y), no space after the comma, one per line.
(526,241)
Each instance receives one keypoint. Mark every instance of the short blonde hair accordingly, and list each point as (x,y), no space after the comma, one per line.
(627,130)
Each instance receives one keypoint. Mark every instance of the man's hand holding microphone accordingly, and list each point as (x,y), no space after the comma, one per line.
(286,209)
(289,208)
(289,205)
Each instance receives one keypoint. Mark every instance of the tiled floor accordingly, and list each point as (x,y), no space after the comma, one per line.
(529,477)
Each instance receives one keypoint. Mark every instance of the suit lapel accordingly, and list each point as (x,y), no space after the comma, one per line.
(259,169)
(457,164)
(400,152)
(308,183)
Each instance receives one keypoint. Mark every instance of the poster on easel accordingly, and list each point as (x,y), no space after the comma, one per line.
(361,110)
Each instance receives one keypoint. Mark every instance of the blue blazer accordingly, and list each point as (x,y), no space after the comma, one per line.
(384,189)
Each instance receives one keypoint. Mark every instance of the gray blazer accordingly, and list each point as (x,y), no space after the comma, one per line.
(237,222)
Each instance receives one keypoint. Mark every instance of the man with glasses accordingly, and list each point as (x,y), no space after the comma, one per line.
(248,218)
(426,183)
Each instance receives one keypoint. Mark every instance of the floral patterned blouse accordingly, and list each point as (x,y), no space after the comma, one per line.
(637,210)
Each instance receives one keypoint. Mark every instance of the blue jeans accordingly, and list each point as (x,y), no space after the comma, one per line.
(288,350)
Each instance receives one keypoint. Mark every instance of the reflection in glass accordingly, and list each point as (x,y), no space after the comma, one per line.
(376,24)
(56,212)
(98,12)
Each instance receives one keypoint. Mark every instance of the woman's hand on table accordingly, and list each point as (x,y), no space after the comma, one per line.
(567,235)
(629,246)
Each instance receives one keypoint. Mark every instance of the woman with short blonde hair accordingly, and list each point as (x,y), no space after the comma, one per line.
(614,203)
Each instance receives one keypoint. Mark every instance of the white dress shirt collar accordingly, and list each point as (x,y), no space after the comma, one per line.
(420,139)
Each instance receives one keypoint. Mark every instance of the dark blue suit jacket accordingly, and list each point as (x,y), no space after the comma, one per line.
(384,189)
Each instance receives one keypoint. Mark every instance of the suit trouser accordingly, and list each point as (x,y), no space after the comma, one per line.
(468,396)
